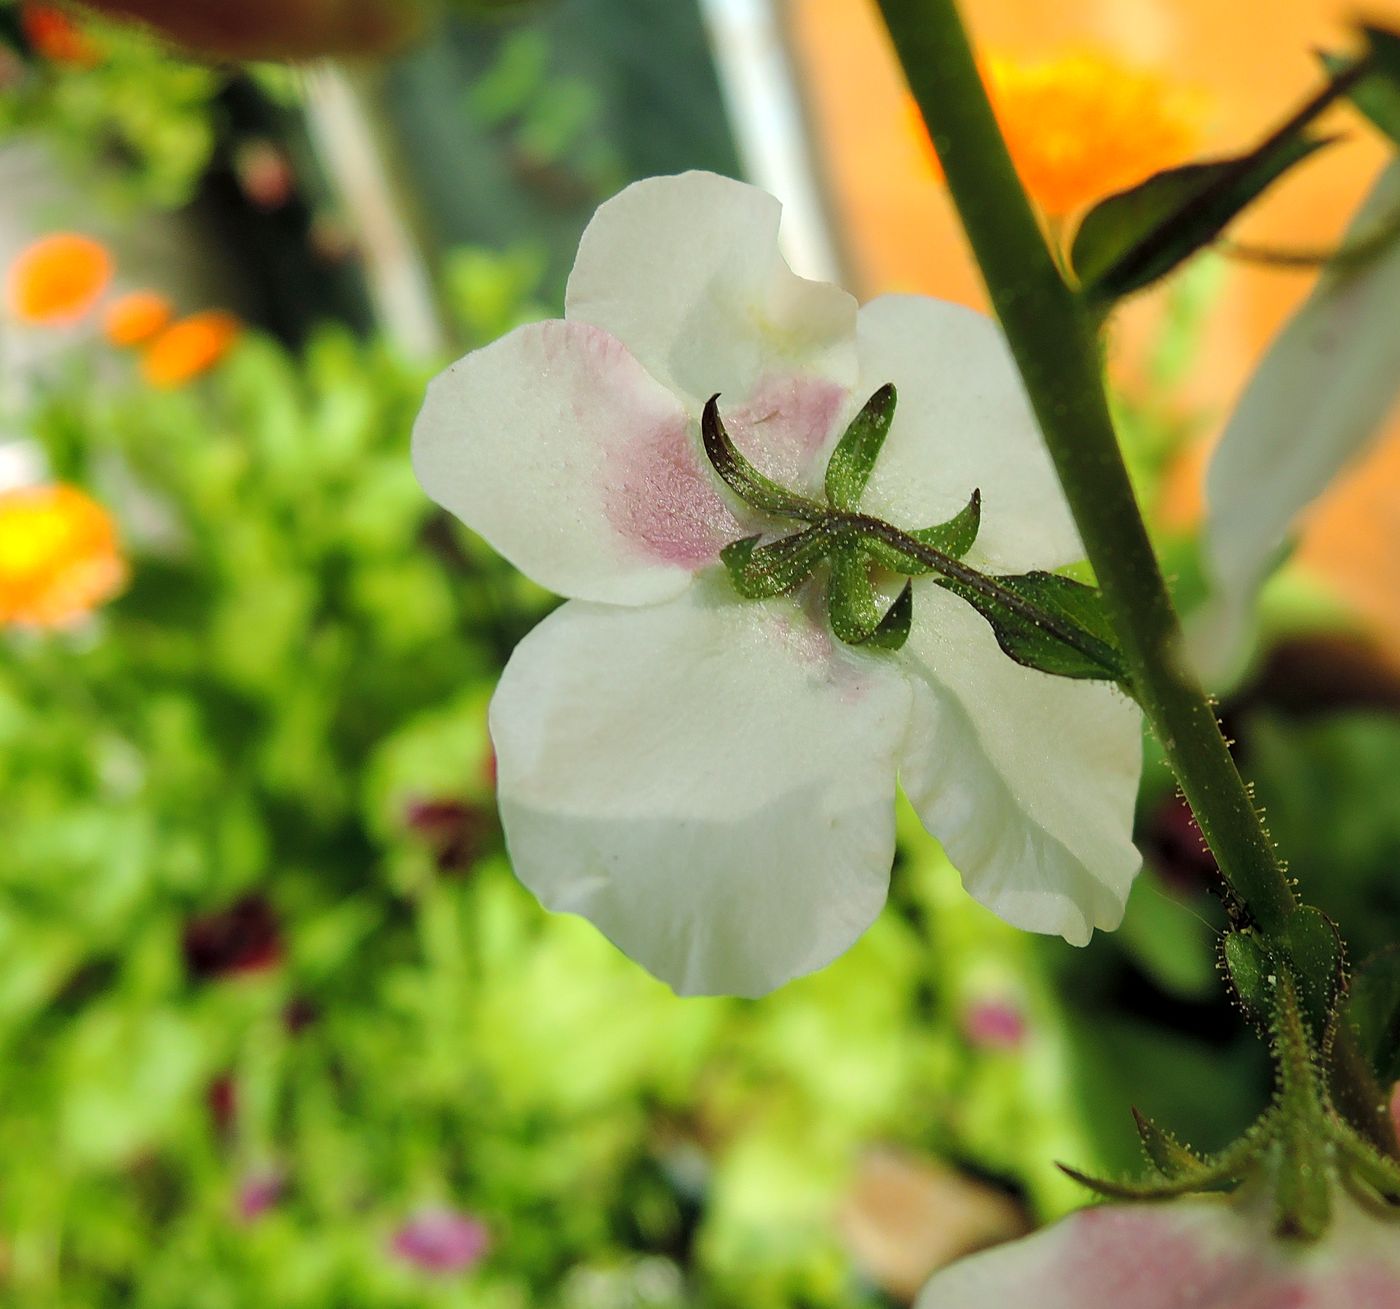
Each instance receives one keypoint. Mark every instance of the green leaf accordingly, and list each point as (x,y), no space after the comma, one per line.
(851,463)
(1385,52)
(1373,1010)
(1049,622)
(760,571)
(1377,97)
(744,479)
(1135,237)
(854,606)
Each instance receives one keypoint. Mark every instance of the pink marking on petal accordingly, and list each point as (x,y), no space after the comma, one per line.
(662,495)
(785,421)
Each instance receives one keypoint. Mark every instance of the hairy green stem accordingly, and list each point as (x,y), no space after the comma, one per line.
(1055,342)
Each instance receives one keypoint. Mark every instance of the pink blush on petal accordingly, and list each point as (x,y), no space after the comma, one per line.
(660,497)
(786,420)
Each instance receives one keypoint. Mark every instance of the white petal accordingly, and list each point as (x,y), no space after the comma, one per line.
(1028,780)
(588,475)
(1192,1254)
(962,423)
(709,781)
(1320,395)
(686,270)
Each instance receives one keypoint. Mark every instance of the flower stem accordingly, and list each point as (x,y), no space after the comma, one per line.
(1054,339)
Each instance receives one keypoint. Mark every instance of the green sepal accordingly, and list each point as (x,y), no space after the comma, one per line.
(759,572)
(1376,96)
(1302,1184)
(953,538)
(893,629)
(1251,971)
(1128,241)
(1049,622)
(959,534)
(1373,1011)
(751,486)
(851,463)
(1315,947)
(1164,1152)
(1378,1170)
(1230,1166)
(854,605)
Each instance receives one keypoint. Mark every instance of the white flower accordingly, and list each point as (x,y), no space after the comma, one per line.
(1192,1254)
(711,780)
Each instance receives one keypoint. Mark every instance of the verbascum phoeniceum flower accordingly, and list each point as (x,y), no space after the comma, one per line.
(699,752)
(1202,1253)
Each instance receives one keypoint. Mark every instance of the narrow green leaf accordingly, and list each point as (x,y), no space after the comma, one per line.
(1135,237)
(1049,622)
(1385,51)
(743,478)
(761,571)
(1376,97)
(953,538)
(853,460)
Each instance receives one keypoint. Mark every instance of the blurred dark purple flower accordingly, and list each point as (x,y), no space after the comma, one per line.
(441,1240)
(1174,847)
(456,831)
(995,1024)
(221,1096)
(258,1193)
(244,938)
(298,1014)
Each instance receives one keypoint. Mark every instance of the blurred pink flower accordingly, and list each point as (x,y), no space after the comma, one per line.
(994,1024)
(258,1193)
(441,1240)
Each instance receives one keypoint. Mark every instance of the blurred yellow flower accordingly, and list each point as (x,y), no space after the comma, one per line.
(59,556)
(136,317)
(57,279)
(1082,125)
(190,347)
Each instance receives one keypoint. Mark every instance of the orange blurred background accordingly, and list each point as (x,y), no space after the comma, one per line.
(1254,62)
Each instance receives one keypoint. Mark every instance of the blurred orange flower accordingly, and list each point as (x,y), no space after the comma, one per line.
(136,317)
(1083,125)
(190,347)
(58,279)
(54,35)
(59,556)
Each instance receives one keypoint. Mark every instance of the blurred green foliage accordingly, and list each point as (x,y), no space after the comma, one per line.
(300,666)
